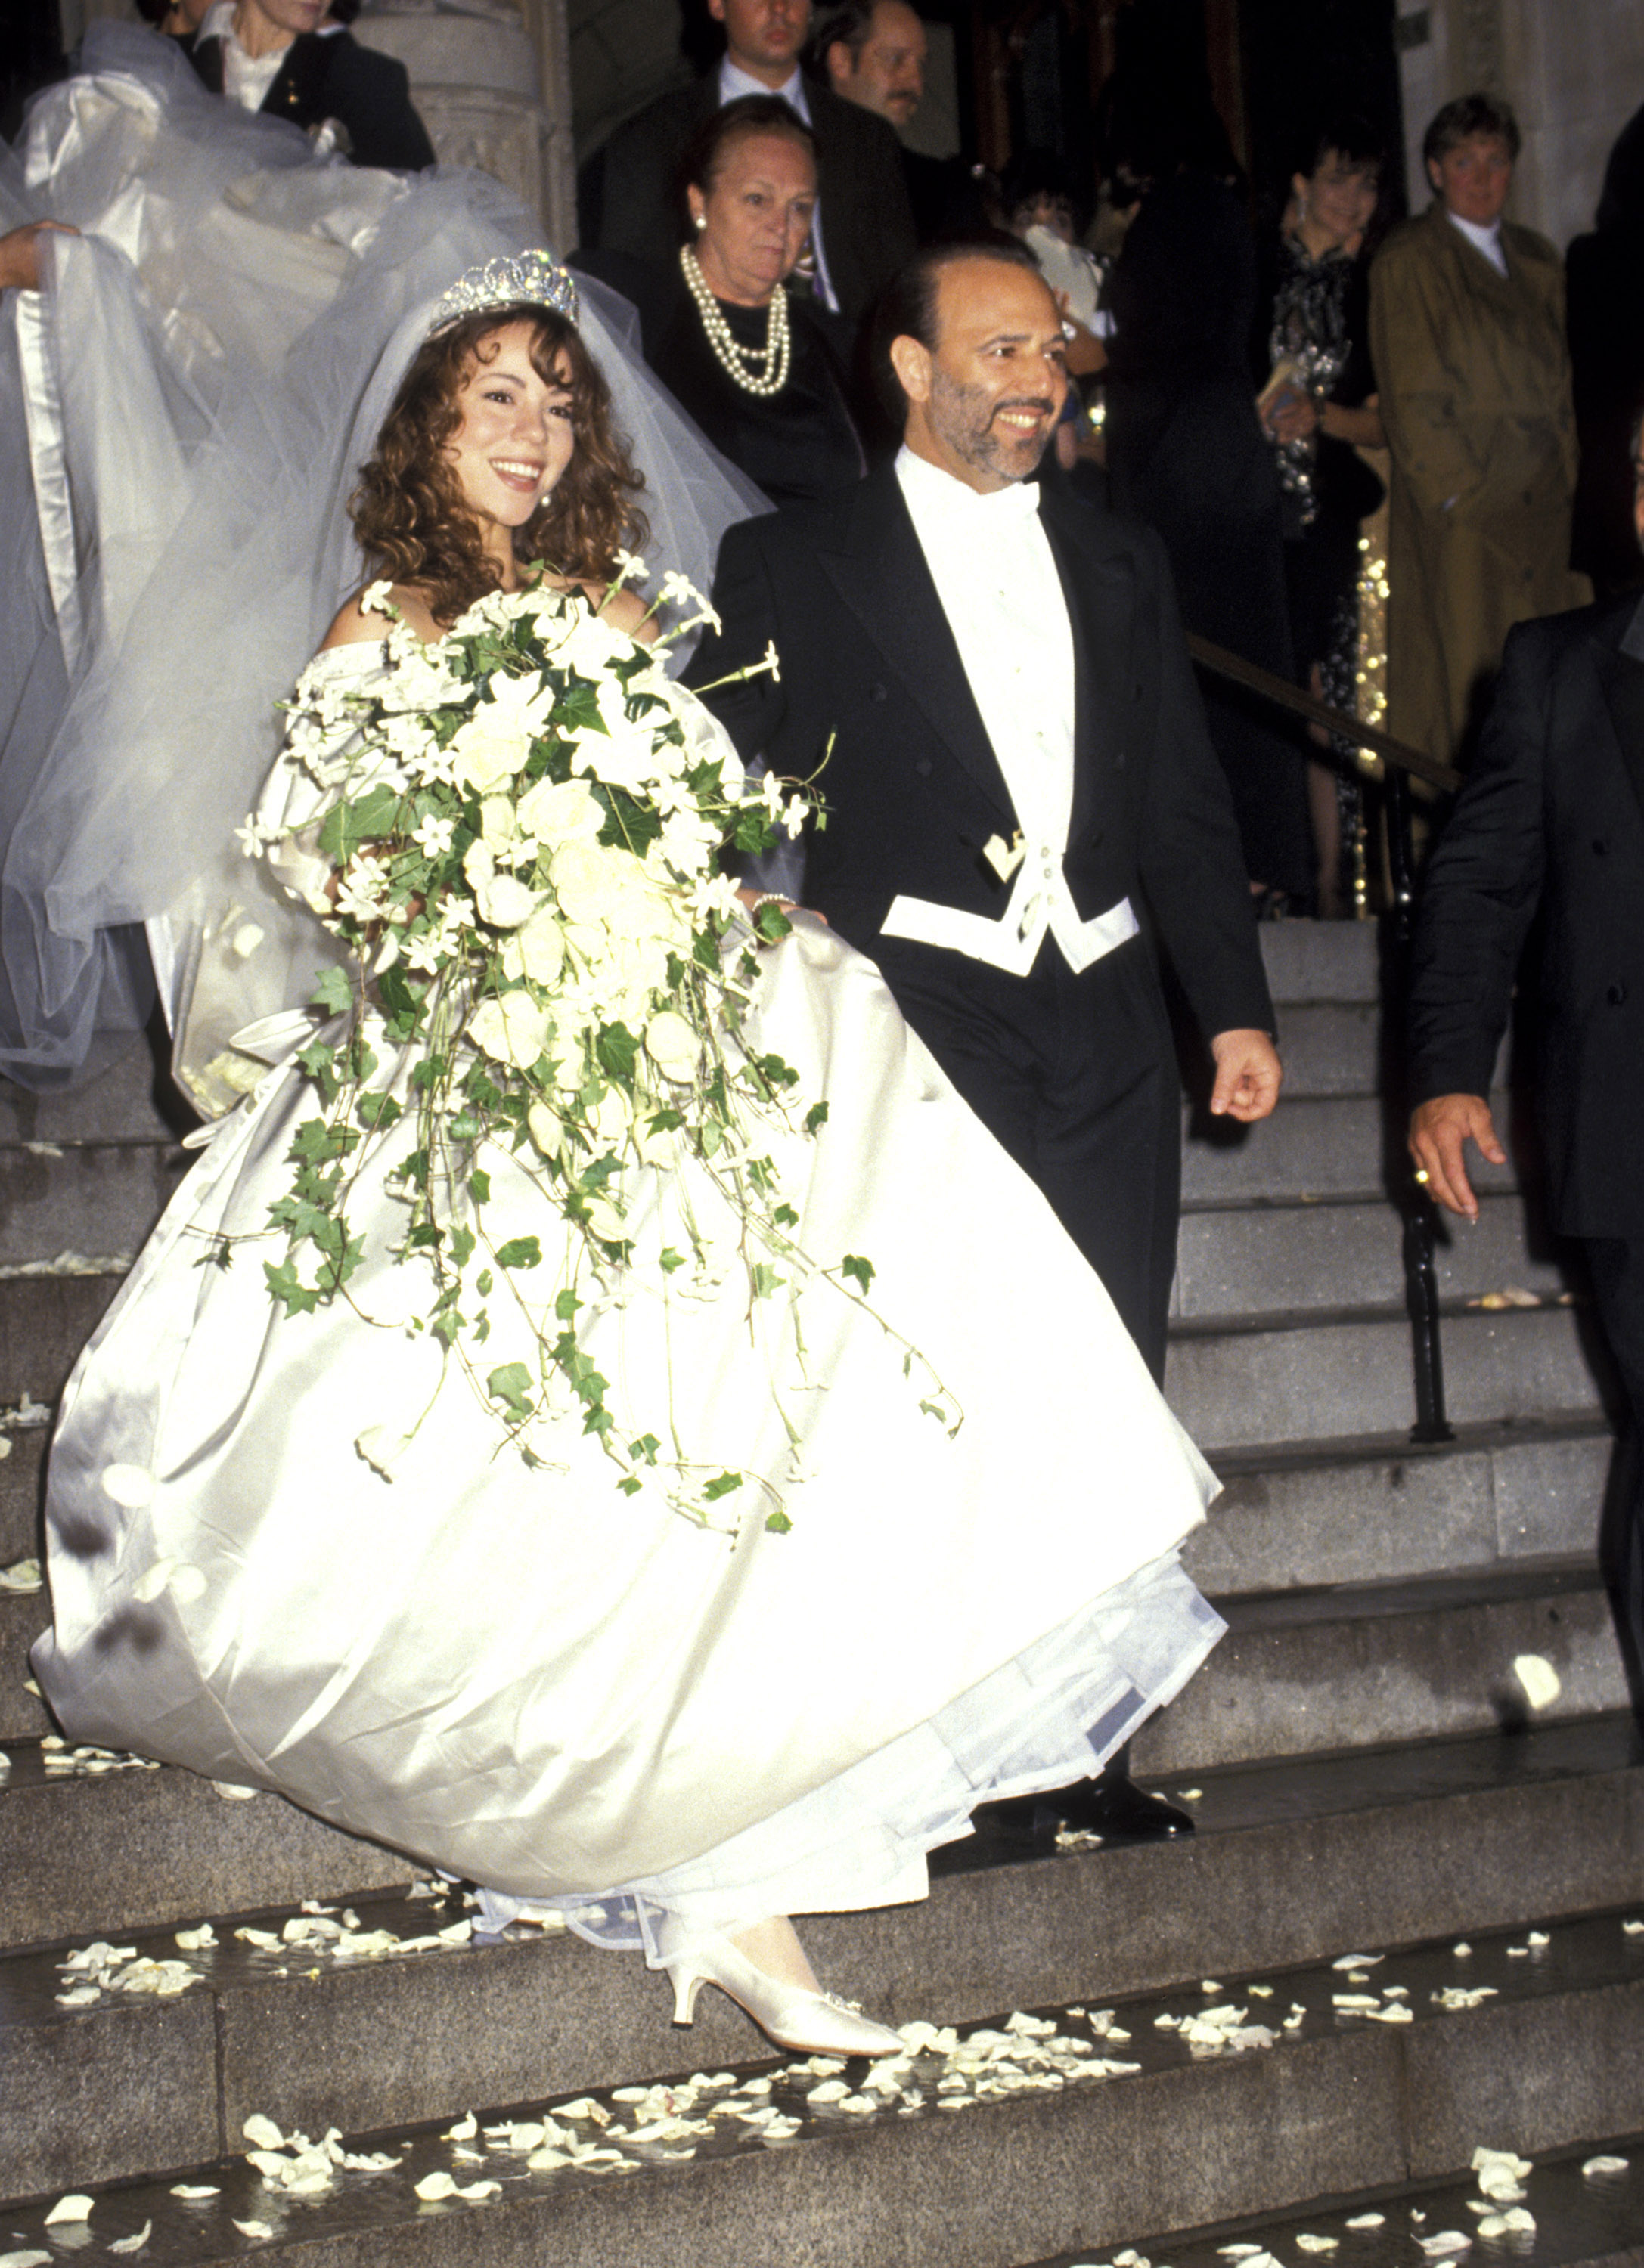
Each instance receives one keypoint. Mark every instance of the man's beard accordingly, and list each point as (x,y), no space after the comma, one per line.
(965,416)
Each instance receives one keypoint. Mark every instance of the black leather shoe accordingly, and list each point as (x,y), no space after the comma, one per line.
(1111,1805)
(1113,1808)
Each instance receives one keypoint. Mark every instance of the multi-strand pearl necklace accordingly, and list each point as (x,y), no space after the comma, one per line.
(735,359)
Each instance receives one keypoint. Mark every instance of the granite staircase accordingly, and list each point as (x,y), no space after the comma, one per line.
(1410,1927)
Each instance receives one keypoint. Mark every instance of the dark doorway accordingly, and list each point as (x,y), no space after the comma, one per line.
(1305,60)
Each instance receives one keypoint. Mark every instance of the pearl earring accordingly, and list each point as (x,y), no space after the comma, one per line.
(699,220)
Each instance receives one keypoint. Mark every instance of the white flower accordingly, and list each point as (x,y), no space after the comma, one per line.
(498,824)
(536,949)
(511,1028)
(494,743)
(376,597)
(631,569)
(768,660)
(561,811)
(671,1044)
(714,893)
(503,900)
(363,892)
(434,834)
(254,838)
(591,881)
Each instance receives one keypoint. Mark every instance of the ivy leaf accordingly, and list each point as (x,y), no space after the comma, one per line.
(815,1117)
(614,1050)
(511,1384)
(862,1269)
(462,1247)
(284,1285)
(565,1307)
(480,1186)
(358,821)
(778,1523)
(378,1110)
(520,1252)
(726,1484)
(644,1451)
(765,1281)
(669,1260)
(333,991)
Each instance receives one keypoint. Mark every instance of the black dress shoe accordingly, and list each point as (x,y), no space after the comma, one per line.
(1110,1805)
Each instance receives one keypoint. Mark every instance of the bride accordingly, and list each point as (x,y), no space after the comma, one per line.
(676,1730)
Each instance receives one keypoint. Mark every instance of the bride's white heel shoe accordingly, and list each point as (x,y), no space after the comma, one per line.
(817,2023)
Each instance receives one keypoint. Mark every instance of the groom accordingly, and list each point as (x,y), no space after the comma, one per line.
(1023,805)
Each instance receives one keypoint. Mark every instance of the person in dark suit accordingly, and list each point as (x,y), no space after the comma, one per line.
(280,57)
(872,52)
(1022,802)
(864,229)
(1552,820)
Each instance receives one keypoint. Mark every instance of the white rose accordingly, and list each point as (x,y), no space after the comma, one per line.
(538,948)
(498,824)
(605,1222)
(511,1028)
(625,756)
(561,811)
(488,750)
(671,1045)
(591,881)
(503,900)
(611,1116)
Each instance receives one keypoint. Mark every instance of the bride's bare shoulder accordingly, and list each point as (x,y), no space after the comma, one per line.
(354,626)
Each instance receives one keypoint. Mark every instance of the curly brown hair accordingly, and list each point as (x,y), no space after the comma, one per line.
(409,511)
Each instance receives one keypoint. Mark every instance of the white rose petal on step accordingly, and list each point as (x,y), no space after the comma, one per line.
(263,2133)
(22,1575)
(1306,2242)
(259,2231)
(434,2186)
(671,1044)
(464,2130)
(511,1028)
(1594,2169)
(69,2209)
(1541,1683)
(192,2195)
(30,2259)
(131,1486)
(1367,2221)
(1445,2242)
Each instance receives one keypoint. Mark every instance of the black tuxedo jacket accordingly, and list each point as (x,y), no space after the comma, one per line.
(866,222)
(330,76)
(1552,816)
(914,790)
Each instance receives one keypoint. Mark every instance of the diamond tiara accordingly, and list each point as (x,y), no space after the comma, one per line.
(534,279)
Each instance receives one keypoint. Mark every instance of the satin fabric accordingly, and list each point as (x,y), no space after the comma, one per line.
(529,1679)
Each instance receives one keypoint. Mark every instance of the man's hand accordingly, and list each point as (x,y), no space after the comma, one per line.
(1249,1075)
(19,254)
(1438,1129)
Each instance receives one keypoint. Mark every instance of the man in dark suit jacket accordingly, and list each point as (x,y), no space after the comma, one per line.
(864,228)
(320,76)
(1018,778)
(1551,819)
(928,861)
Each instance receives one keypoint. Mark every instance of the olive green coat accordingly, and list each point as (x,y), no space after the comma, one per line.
(1475,392)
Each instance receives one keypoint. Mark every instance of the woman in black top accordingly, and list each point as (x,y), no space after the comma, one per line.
(750,359)
(1318,406)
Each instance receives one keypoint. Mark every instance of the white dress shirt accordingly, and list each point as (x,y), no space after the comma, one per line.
(990,561)
(735,82)
(246,78)
(1488,240)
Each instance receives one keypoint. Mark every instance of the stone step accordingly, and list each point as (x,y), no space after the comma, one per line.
(1312,1377)
(1345,2101)
(21,1464)
(131,1100)
(1330,1047)
(45,1322)
(98,1198)
(1322,961)
(1357,1665)
(1580,2218)
(1377,1509)
(1251,1258)
(1321,1145)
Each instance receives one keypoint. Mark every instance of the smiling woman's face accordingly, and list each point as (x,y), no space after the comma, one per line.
(517,434)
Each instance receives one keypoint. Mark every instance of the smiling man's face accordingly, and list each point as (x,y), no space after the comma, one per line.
(984,402)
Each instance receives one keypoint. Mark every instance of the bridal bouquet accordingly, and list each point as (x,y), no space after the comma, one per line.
(525,823)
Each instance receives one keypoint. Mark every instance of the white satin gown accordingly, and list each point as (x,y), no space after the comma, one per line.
(577,1698)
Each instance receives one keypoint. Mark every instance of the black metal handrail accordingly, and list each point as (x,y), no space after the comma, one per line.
(1402,763)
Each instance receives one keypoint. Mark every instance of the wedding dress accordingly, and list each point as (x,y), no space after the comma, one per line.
(581,1698)
(571,1696)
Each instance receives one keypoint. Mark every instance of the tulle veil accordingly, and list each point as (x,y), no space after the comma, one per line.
(183,410)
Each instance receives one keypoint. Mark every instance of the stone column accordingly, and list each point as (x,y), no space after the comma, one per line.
(492,81)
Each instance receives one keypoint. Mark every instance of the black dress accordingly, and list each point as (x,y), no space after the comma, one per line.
(1187,453)
(1316,314)
(797,444)
(326,75)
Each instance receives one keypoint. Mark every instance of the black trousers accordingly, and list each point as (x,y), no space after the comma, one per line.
(1076,1078)
(1616,1266)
